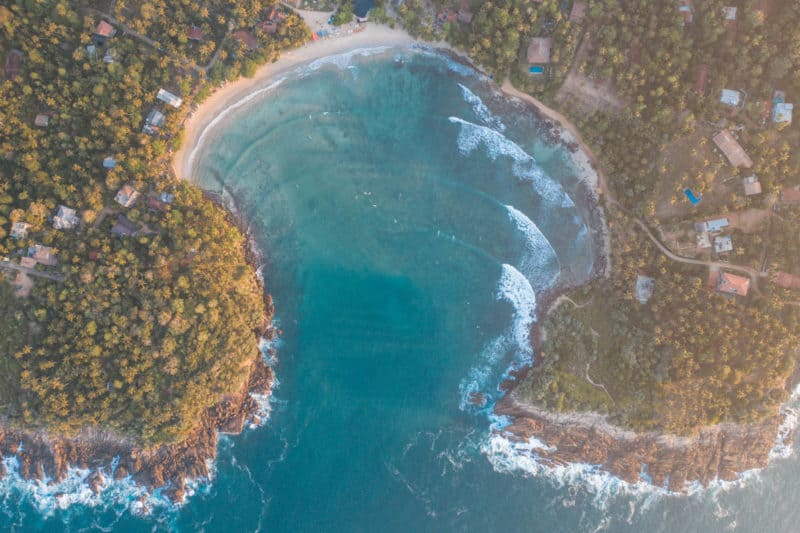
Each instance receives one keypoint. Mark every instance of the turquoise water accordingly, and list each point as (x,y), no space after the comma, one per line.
(409,217)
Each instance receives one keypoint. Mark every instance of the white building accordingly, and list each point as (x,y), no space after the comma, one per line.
(722,244)
(730,97)
(169,98)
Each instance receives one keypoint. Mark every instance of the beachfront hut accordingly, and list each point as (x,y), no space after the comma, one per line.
(732,150)
(65,218)
(539,50)
(126,196)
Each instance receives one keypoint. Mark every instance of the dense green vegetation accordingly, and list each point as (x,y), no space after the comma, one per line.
(145,331)
(630,75)
(685,359)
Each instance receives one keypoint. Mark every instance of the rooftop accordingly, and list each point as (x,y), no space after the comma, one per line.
(169,98)
(539,50)
(104,29)
(732,150)
(126,196)
(723,244)
(42,120)
(248,39)
(65,218)
(579,10)
(751,186)
(730,97)
(13,64)
(732,284)
(194,33)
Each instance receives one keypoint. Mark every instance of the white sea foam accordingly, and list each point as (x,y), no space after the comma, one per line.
(48,496)
(221,116)
(783,447)
(539,263)
(343,60)
(481,110)
(471,136)
(517,290)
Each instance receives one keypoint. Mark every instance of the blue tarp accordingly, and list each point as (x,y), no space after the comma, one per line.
(690,195)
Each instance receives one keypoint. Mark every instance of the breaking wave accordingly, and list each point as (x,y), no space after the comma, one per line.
(539,263)
(481,110)
(471,136)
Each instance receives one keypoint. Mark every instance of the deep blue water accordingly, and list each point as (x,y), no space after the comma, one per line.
(409,218)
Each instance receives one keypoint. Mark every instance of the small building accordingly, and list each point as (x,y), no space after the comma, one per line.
(268,26)
(27,262)
(732,150)
(65,218)
(730,97)
(42,120)
(124,227)
(167,198)
(19,230)
(153,122)
(109,163)
(465,12)
(729,13)
(686,11)
(248,39)
(91,51)
(447,15)
(791,195)
(154,204)
(723,244)
(701,80)
(782,113)
(716,224)
(539,50)
(732,284)
(578,12)
(644,288)
(703,240)
(126,196)
(104,29)
(751,185)
(44,255)
(13,64)
(195,34)
(169,98)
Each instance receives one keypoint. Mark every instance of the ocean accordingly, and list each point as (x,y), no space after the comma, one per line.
(410,219)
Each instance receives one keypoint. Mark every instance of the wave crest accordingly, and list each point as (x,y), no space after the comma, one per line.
(471,136)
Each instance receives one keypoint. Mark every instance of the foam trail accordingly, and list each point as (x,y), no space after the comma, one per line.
(481,110)
(343,60)
(514,288)
(791,414)
(540,262)
(525,168)
(517,290)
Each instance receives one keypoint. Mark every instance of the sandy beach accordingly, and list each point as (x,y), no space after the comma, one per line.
(227,96)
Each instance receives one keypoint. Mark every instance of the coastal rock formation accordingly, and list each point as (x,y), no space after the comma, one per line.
(717,452)
(48,458)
